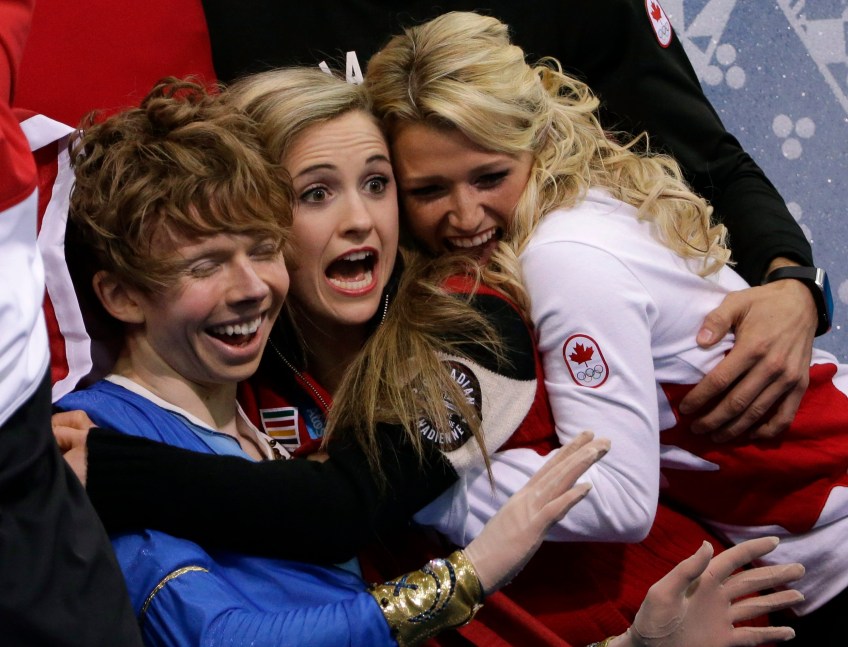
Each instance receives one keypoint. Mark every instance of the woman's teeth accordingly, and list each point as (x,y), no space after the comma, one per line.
(473,241)
(356,256)
(363,282)
(247,328)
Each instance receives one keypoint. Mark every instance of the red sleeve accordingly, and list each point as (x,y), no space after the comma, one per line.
(16,164)
(105,55)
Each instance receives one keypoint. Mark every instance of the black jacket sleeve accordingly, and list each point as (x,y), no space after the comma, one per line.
(643,86)
(296,509)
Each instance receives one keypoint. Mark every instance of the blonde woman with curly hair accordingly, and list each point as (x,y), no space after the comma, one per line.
(617,262)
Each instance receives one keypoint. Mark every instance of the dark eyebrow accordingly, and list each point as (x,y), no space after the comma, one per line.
(332,167)
(488,167)
(315,167)
(379,157)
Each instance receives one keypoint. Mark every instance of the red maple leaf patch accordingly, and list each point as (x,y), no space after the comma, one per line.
(581,354)
(656,12)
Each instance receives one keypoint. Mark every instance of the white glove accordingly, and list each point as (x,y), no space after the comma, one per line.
(514,534)
(697,603)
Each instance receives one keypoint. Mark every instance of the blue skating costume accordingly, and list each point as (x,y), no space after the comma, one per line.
(185,595)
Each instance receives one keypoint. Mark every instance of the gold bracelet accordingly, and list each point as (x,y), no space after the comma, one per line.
(443,594)
(603,643)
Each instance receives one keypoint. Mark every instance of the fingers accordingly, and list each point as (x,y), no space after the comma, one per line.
(681,577)
(558,507)
(720,321)
(582,439)
(69,438)
(749,386)
(553,488)
(784,414)
(761,605)
(734,558)
(760,382)
(558,476)
(782,382)
(573,454)
(750,636)
(718,383)
(762,578)
(70,429)
(77,419)
(515,532)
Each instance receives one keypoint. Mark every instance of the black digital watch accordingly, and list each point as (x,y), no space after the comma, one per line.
(816,280)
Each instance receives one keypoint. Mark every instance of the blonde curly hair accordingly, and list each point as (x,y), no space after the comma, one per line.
(460,71)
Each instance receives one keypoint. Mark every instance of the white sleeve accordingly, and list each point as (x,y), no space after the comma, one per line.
(593,320)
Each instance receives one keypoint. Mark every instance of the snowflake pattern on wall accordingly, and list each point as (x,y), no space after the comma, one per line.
(777,73)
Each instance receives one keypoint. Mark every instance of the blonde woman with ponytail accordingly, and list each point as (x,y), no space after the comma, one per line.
(617,263)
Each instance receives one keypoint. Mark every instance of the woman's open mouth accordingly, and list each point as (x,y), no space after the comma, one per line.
(353,273)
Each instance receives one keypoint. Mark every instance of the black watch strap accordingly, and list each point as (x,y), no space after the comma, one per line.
(816,280)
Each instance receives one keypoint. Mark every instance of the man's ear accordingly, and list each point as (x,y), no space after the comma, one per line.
(119,300)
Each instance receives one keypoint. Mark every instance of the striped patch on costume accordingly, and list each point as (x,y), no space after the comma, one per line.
(281,424)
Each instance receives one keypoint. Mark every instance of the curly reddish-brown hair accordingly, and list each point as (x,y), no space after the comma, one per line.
(185,164)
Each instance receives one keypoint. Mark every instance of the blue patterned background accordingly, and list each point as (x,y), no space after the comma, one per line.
(777,73)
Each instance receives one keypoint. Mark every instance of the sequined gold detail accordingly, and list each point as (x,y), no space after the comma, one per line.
(443,594)
(603,643)
(170,576)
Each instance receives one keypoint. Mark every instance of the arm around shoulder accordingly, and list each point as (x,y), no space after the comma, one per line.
(269,508)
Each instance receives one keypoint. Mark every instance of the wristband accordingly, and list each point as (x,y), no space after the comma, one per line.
(816,280)
(445,593)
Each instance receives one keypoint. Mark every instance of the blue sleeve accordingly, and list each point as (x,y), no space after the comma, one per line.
(185,596)
(198,609)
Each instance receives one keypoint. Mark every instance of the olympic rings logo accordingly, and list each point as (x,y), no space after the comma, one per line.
(590,374)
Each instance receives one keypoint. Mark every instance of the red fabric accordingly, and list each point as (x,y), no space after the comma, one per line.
(15,21)
(18,168)
(587,591)
(19,173)
(812,456)
(46,162)
(99,54)
(569,594)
